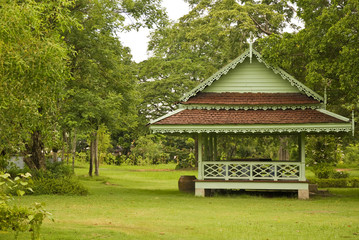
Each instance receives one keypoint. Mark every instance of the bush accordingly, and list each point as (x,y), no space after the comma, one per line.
(340,174)
(110,159)
(53,170)
(58,178)
(61,186)
(351,154)
(15,218)
(148,150)
(336,183)
(82,157)
(189,162)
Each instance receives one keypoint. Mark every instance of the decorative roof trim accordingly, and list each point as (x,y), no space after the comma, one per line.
(240,59)
(337,116)
(216,76)
(250,107)
(260,128)
(167,115)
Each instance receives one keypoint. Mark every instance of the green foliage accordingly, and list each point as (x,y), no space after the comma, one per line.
(188,162)
(336,182)
(34,68)
(148,150)
(110,159)
(230,147)
(324,53)
(178,148)
(17,185)
(104,91)
(53,170)
(15,218)
(211,35)
(57,179)
(60,186)
(351,154)
(322,155)
(104,142)
(340,174)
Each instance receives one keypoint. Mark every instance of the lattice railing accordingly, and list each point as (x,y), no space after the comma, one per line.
(252,170)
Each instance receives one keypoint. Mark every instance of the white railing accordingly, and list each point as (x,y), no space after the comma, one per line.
(246,170)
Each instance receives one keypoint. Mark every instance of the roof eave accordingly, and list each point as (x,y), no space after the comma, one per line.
(255,128)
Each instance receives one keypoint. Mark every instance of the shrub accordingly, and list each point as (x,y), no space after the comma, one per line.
(338,183)
(189,162)
(351,154)
(58,178)
(340,174)
(143,161)
(110,159)
(19,219)
(149,148)
(82,157)
(61,186)
(322,155)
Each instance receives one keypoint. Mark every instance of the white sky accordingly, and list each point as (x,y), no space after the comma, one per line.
(138,41)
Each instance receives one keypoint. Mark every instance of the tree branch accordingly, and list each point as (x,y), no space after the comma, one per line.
(259,26)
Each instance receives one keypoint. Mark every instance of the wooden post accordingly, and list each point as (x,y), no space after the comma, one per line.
(200,151)
(210,148)
(205,146)
(301,145)
(196,149)
(215,153)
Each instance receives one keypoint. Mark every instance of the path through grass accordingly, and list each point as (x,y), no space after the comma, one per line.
(139,203)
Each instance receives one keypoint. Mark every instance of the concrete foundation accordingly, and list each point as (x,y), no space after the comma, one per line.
(303,194)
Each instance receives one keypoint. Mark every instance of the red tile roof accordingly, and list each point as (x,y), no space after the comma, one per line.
(250,98)
(211,117)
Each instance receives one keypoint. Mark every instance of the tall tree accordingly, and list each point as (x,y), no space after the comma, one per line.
(325,53)
(104,88)
(33,72)
(212,34)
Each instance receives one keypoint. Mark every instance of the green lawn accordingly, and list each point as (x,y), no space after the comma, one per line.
(141,203)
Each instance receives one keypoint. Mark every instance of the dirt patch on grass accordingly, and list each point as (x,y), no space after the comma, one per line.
(163,170)
(322,212)
(111,184)
(343,170)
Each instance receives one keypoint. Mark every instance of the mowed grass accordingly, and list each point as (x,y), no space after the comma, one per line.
(144,203)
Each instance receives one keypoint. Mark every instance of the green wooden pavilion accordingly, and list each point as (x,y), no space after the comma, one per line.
(249,96)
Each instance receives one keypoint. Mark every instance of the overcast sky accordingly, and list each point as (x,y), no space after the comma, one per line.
(137,41)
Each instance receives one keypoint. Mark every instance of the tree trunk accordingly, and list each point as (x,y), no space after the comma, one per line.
(94,163)
(35,158)
(96,159)
(64,143)
(74,151)
(283,153)
(68,147)
(91,157)
(54,155)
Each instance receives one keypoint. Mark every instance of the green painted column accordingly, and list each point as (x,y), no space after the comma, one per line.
(200,155)
(210,149)
(301,144)
(215,152)
(205,146)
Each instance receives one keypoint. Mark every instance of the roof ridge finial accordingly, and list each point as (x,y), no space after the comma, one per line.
(251,41)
